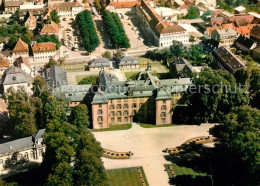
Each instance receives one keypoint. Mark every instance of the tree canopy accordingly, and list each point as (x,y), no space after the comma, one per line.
(79,116)
(55,17)
(87,31)
(193,13)
(50,38)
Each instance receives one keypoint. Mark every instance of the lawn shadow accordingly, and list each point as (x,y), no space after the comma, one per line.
(190,180)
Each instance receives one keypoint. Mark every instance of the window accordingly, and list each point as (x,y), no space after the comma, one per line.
(163,120)
(1,161)
(100,105)
(112,113)
(133,112)
(140,105)
(40,152)
(134,105)
(31,155)
(126,119)
(118,113)
(125,106)
(164,101)
(163,114)
(119,101)
(99,111)
(112,107)
(126,113)
(118,106)
(113,120)
(125,100)
(26,156)
(119,119)
(100,125)
(163,107)
(134,99)
(100,118)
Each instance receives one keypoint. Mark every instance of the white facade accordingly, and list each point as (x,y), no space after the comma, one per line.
(167,38)
(71,13)
(44,55)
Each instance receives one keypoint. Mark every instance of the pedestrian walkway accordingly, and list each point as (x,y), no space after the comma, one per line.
(147,145)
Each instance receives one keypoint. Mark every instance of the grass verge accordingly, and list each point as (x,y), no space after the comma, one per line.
(144,125)
(88,79)
(126,176)
(179,171)
(114,127)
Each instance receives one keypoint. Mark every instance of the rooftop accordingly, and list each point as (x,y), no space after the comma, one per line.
(44,47)
(51,28)
(21,46)
(14,75)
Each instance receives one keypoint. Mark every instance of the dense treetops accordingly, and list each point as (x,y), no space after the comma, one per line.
(87,31)
(115,30)
(55,17)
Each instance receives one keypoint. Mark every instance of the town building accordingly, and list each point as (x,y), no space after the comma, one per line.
(38,11)
(99,64)
(240,10)
(147,99)
(208,30)
(22,63)
(56,76)
(122,7)
(23,150)
(11,7)
(161,33)
(243,31)
(128,63)
(67,9)
(52,28)
(245,44)
(181,67)
(226,60)
(255,33)
(225,36)
(15,78)
(21,49)
(31,21)
(44,51)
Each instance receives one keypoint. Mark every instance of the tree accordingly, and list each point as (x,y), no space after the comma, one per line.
(193,13)
(213,95)
(50,38)
(52,62)
(87,30)
(55,17)
(21,112)
(205,15)
(176,48)
(40,87)
(107,54)
(79,116)
(237,146)
(89,169)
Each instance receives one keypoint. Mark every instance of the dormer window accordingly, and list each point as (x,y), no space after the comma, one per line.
(14,78)
(40,48)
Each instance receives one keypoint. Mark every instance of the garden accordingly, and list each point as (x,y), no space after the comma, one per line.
(117,155)
(127,176)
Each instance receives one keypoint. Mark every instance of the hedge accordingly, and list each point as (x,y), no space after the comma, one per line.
(87,31)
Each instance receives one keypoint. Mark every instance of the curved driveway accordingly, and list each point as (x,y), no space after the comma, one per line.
(147,145)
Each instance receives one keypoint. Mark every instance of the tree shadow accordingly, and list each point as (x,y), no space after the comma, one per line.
(190,180)
(103,33)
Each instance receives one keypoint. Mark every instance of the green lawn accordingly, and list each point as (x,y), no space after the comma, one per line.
(144,125)
(183,171)
(114,127)
(89,79)
(125,177)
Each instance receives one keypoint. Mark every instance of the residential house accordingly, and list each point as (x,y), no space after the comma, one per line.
(255,33)
(122,7)
(240,10)
(11,7)
(38,11)
(216,21)
(226,60)
(30,22)
(181,67)
(15,77)
(4,64)
(24,150)
(209,30)
(22,63)
(52,28)
(128,62)
(68,9)
(21,49)
(245,44)
(243,30)
(44,51)
(225,36)
(56,76)
(99,64)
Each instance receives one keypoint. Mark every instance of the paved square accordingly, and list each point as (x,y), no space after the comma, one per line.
(147,145)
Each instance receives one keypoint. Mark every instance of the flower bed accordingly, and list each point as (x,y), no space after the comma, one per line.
(141,176)
(197,140)
(117,155)
(172,171)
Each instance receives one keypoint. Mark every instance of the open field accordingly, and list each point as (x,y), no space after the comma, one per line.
(124,177)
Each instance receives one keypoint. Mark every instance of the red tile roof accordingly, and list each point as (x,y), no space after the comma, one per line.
(216,21)
(162,29)
(4,62)
(21,46)
(184,6)
(52,28)
(125,4)
(44,47)
(243,30)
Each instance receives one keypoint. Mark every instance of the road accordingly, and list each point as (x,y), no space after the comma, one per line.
(147,145)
